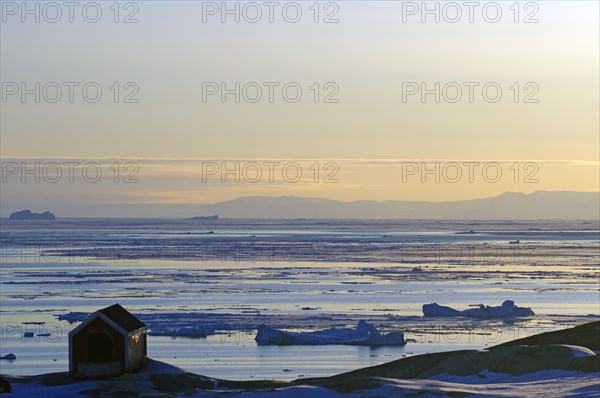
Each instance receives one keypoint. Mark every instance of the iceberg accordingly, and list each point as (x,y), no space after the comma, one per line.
(364,334)
(28,215)
(507,309)
(192,331)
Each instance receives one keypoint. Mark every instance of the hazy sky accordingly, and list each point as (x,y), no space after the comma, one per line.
(365,63)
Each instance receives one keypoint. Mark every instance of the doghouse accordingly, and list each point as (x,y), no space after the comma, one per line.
(109,342)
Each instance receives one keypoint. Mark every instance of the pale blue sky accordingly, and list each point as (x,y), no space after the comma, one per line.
(368,54)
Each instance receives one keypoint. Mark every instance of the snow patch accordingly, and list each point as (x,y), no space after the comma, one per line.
(579,352)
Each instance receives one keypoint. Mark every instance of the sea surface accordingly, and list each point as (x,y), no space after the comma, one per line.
(293,274)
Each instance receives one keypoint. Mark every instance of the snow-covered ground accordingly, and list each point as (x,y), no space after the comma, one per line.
(549,383)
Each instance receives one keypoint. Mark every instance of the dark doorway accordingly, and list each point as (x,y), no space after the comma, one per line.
(99,347)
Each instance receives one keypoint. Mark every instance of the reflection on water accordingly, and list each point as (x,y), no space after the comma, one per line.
(378,271)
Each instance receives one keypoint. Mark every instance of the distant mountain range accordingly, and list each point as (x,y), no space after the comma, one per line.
(510,205)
